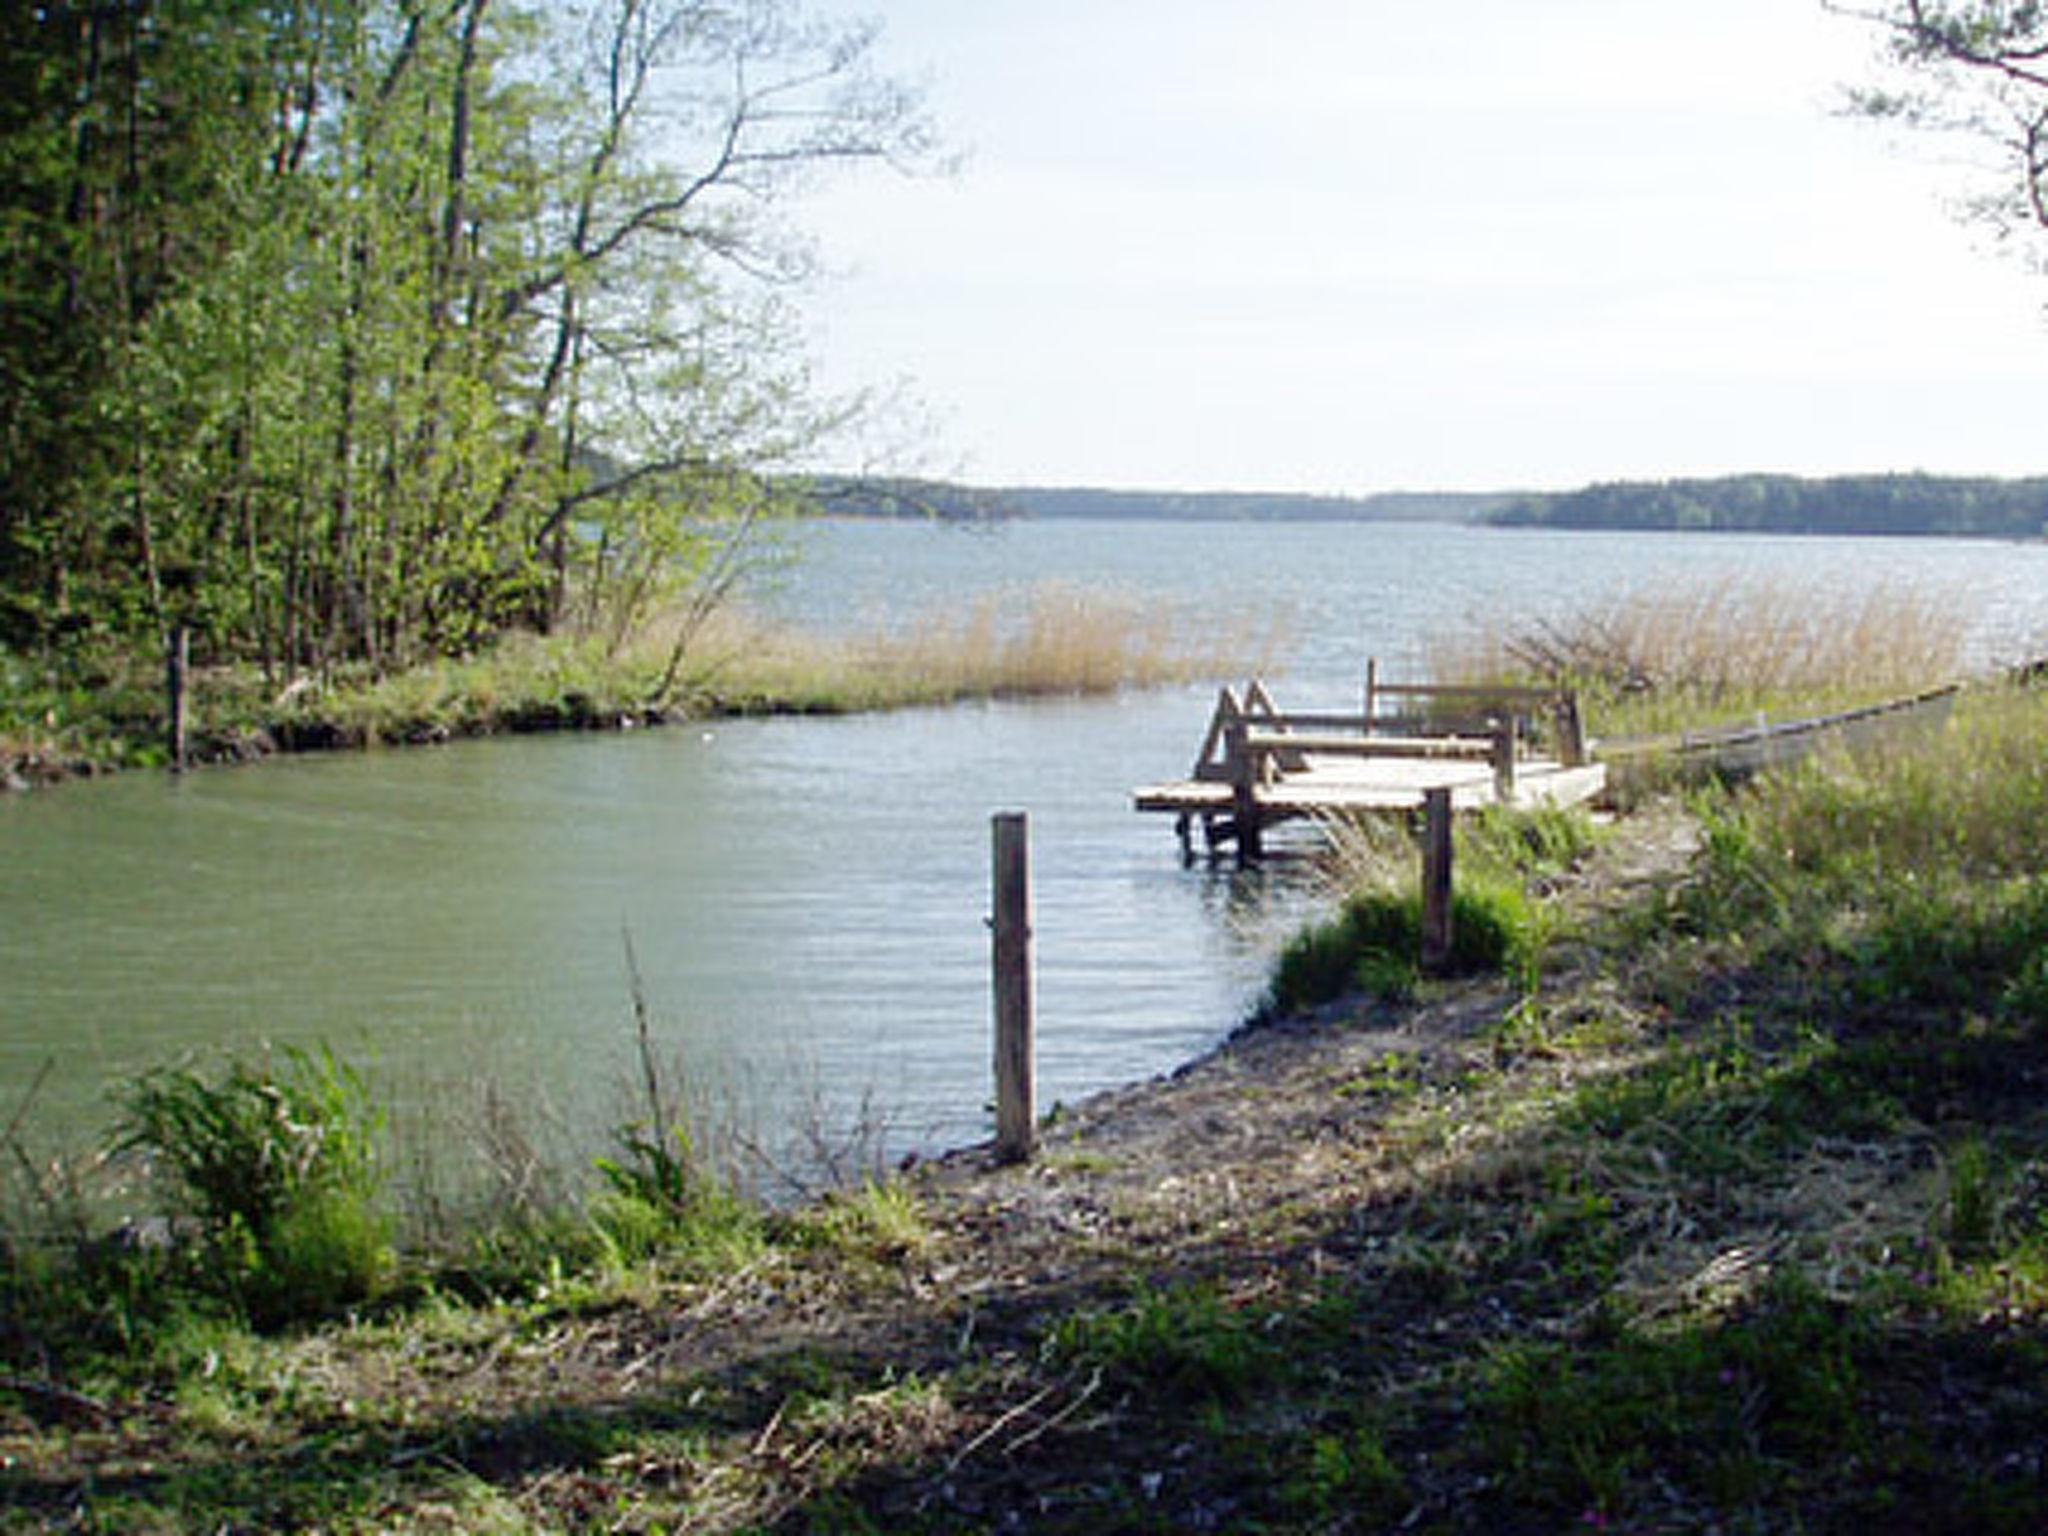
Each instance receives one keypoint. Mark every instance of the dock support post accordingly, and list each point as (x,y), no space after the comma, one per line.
(1571,732)
(177,666)
(1244,779)
(1504,760)
(1016,1025)
(1436,879)
(1372,692)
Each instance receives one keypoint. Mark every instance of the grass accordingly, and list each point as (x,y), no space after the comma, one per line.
(1047,640)
(1751,1235)
(1372,943)
(1649,663)
(104,709)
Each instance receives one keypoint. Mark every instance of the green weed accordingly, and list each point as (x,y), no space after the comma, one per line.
(1726,1412)
(1347,1476)
(878,1221)
(1374,944)
(1189,1341)
(1532,842)
(1975,1199)
(278,1162)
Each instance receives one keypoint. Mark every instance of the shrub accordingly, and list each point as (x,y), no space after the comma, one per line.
(1374,943)
(280,1170)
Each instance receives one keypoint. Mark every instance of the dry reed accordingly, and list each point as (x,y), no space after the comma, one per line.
(1671,658)
(1036,641)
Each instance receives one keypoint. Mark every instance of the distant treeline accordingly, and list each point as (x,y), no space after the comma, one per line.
(941,500)
(1843,504)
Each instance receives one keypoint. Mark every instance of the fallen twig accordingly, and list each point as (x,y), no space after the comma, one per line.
(1066,1413)
(997,1425)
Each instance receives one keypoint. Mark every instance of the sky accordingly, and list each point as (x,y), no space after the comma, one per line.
(1348,246)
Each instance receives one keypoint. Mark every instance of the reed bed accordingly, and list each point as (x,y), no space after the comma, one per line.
(1652,661)
(1039,641)
(1029,642)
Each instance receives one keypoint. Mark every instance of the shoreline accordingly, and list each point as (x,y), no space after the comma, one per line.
(1682,1227)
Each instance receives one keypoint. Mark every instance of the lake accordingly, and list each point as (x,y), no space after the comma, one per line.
(805,897)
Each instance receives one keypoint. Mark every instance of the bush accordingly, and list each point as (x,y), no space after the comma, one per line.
(280,1170)
(1374,943)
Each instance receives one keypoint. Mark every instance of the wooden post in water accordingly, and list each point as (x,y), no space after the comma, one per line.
(1016,1085)
(1436,879)
(1244,800)
(1372,692)
(177,662)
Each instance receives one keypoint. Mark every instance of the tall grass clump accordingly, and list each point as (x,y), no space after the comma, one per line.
(279,1165)
(660,1197)
(1653,661)
(1050,639)
(1373,943)
(1927,864)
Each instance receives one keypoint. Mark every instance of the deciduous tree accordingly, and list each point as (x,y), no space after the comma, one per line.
(357,329)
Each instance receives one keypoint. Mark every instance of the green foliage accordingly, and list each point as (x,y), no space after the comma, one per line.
(1186,1342)
(1374,943)
(1970,67)
(472,326)
(1537,842)
(1346,1476)
(280,1167)
(878,1221)
(1974,1207)
(1324,961)
(658,1205)
(1727,1412)
(1843,504)
(1921,868)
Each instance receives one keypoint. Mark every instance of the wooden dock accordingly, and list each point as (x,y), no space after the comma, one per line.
(1260,765)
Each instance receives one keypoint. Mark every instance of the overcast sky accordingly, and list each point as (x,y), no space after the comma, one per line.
(1361,245)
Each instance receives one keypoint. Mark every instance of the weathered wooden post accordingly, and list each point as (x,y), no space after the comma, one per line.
(1504,759)
(1016,1073)
(1436,879)
(1372,692)
(1571,731)
(1244,799)
(177,662)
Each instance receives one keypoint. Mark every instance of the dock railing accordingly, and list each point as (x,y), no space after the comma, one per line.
(1557,707)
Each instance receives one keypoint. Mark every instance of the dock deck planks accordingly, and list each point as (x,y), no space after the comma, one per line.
(1381,784)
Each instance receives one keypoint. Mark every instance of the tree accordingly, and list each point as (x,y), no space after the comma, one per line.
(1977,68)
(361,329)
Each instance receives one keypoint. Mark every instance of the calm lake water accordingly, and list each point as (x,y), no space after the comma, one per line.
(805,897)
